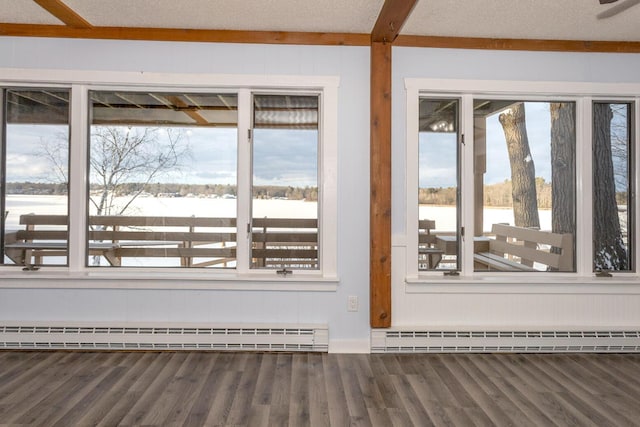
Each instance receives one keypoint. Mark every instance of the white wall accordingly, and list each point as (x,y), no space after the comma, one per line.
(510,304)
(350,64)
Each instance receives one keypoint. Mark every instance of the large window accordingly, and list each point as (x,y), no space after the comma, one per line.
(34,171)
(162,179)
(521,183)
(524,185)
(232,183)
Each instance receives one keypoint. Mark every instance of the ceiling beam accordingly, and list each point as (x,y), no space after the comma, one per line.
(187,35)
(518,44)
(64,13)
(305,38)
(391,19)
(184,107)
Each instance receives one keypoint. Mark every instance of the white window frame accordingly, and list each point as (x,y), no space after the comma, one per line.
(77,274)
(583,94)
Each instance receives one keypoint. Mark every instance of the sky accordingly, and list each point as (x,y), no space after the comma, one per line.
(281,157)
(437,150)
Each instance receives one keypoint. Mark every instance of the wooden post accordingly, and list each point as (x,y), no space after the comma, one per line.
(380,181)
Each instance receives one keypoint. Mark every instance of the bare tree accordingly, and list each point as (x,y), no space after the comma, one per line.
(122,155)
(523,173)
(56,152)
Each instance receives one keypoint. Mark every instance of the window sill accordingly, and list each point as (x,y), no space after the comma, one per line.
(169,280)
(524,284)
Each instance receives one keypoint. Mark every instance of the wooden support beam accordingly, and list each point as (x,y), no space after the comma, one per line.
(380,182)
(391,19)
(186,35)
(64,13)
(518,44)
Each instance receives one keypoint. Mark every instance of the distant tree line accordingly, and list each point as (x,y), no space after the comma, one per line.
(36,188)
(496,195)
(171,190)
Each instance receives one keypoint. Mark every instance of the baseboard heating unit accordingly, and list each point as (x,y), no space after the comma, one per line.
(255,337)
(540,341)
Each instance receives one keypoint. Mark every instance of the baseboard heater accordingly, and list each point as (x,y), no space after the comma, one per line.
(470,341)
(239,337)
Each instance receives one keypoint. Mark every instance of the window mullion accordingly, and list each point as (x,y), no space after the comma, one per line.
(243,181)
(78,178)
(584,186)
(467,202)
(635,143)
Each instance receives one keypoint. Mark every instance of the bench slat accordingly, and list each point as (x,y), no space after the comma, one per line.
(168,236)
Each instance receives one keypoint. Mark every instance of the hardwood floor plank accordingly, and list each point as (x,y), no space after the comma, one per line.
(176,400)
(488,379)
(146,390)
(536,409)
(269,389)
(88,399)
(318,401)
(18,378)
(281,391)
(390,398)
(206,387)
(108,404)
(238,414)
(413,406)
(83,378)
(581,389)
(338,412)
(266,376)
(354,398)
(28,396)
(299,395)
(224,379)
(484,402)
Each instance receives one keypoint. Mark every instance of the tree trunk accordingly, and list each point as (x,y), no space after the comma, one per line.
(609,249)
(563,169)
(523,174)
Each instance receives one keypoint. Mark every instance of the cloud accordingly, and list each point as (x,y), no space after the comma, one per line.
(285,157)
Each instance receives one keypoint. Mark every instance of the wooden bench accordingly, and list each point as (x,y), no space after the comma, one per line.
(285,243)
(529,246)
(195,241)
(428,253)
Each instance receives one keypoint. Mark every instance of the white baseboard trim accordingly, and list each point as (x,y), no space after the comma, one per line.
(350,346)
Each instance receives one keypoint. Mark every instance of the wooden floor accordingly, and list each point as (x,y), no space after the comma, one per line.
(258,389)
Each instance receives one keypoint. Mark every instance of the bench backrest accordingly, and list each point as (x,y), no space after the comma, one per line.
(425,226)
(277,242)
(552,249)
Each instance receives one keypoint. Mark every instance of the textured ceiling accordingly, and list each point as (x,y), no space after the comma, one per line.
(529,19)
(525,19)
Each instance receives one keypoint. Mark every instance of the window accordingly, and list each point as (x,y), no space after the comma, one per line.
(162,179)
(613,210)
(524,183)
(508,179)
(169,173)
(438,188)
(285,182)
(34,170)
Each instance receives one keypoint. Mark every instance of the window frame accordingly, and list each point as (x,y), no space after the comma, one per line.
(583,94)
(81,82)
(4,88)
